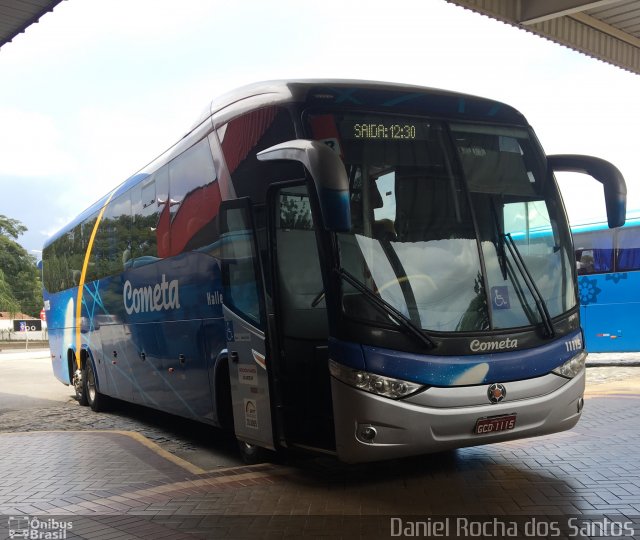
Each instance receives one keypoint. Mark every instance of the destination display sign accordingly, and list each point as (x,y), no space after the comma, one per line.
(383,128)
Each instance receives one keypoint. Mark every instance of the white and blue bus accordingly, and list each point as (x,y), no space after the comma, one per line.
(341,266)
(608,263)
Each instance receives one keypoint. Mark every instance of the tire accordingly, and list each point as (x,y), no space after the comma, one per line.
(80,387)
(252,454)
(95,400)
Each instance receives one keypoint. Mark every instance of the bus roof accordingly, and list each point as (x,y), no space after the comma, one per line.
(395,97)
(632,220)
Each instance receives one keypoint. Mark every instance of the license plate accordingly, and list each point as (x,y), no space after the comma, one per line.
(494,424)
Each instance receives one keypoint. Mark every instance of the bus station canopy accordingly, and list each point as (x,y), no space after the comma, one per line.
(17,15)
(606,29)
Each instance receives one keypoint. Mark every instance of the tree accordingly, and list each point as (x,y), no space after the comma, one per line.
(8,302)
(11,228)
(21,278)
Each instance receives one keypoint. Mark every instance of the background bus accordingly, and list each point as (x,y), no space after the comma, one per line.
(369,270)
(608,263)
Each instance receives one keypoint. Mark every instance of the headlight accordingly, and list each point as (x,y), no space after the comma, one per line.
(572,367)
(370,382)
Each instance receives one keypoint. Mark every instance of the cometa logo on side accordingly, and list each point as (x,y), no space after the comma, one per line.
(483,346)
(161,296)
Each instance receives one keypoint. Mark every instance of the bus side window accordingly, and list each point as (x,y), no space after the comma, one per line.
(194,199)
(584,260)
(240,274)
(111,243)
(594,252)
(149,226)
(243,137)
(75,252)
(628,249)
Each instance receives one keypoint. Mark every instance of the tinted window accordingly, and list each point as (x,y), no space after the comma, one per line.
(77,240)
(55,269)
(498,160)
(111,248)
(150,218)
(195,199)
(594,252)
(63,259)
(628,249)
(247,135)
(240,277)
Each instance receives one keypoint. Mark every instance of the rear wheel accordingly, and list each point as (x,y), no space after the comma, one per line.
(79,387)
(95,399)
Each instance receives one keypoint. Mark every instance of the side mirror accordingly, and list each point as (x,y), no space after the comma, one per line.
(615,188)
(328,174)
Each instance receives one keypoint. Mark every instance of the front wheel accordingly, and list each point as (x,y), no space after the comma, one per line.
(252,454)
(95,399)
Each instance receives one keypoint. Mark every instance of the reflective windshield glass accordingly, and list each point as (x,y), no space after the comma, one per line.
(511,196)
(431,207)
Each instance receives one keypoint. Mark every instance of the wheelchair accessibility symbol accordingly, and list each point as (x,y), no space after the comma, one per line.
(500,297)
(229,331)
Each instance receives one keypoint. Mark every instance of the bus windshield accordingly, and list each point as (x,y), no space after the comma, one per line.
(456,226)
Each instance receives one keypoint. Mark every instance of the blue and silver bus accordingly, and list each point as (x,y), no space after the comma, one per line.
(346,267)
(608,263)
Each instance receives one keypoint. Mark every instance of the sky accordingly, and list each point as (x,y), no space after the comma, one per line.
(96,90)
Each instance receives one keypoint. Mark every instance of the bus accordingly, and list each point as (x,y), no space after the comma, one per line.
(339,266)
(608,262)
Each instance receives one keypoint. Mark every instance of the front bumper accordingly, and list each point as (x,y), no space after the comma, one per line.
(403,429)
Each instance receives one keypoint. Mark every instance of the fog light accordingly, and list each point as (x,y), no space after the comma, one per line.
(368,433)
(580,405)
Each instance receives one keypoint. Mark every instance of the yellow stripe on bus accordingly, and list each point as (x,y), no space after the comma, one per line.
(83,275)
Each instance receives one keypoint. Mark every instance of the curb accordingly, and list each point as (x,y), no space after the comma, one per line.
(632,363)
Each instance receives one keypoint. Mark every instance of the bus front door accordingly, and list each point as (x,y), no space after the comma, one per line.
(244,325)
(301,317)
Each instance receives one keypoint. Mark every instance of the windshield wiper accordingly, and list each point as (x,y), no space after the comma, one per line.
(392,312)
(505,239)
(499,242)
(530,283)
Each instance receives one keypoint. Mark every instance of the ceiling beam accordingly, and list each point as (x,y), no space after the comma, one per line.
(535,11)
(570,23)
(606,28)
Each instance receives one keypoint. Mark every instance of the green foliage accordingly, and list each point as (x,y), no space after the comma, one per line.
(11,228)
(295,213)
(8,302)
(20,288)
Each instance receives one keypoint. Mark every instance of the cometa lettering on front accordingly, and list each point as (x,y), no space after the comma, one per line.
(161,296)
(483,346)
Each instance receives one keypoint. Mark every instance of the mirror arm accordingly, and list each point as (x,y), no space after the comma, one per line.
(615,188)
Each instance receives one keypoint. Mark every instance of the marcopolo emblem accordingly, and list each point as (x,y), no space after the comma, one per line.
(497,392)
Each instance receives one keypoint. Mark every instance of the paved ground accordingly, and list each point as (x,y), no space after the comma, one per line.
(31,399)
(27,380)
(134,474)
